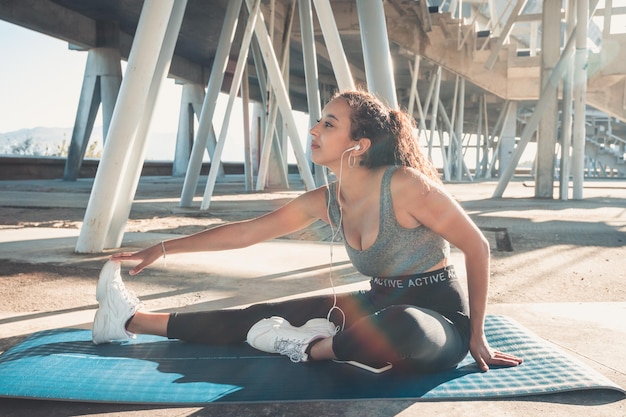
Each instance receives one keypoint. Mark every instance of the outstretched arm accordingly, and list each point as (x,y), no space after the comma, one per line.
(293,216)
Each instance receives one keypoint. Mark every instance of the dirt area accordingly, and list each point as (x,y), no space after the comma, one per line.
(556,259)
(43,287)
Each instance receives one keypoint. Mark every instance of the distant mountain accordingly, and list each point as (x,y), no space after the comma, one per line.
(49,141)
(41,141)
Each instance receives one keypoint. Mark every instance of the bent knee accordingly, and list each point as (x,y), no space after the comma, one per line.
(419,333)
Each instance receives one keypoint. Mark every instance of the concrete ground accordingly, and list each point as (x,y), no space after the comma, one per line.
(558,268)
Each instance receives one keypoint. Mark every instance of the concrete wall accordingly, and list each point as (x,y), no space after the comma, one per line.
(32,168)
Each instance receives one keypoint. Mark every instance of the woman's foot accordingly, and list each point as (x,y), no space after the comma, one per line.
(277,335)
(116,306)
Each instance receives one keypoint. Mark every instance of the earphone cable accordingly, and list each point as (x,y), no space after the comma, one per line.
(333,234)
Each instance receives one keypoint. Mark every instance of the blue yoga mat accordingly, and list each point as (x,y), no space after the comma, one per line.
(65,365)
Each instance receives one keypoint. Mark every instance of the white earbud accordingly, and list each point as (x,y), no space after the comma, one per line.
(355,148)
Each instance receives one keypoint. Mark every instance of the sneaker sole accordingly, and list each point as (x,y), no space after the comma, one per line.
(109,271)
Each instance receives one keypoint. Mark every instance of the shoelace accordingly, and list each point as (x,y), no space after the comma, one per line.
(127,296)
(293,349)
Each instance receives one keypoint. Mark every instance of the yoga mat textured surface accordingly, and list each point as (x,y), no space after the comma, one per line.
(64,365)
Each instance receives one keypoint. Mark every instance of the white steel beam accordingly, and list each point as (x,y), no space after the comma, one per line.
(338,59)
(311,79)
(282,98)
(566,114)
(580,98)
(273,160)
(247,159)
(459,129)
(137,152)
(433,117)
(376,53)
(234,87)
(547,130)
(111,196)
(214,86)
(506,141)
(191,98)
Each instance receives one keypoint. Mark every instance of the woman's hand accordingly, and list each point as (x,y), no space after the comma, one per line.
(146,257)
(485,356)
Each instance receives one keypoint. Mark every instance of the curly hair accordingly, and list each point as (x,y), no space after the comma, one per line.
(392,133)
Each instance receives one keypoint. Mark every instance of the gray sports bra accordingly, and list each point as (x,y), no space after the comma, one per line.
(397,250)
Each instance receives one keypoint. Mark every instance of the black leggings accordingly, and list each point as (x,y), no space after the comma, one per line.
(420,321)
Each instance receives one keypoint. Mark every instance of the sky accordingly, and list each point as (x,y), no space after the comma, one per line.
(40,82)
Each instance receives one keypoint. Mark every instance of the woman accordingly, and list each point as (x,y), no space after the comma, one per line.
(397,223)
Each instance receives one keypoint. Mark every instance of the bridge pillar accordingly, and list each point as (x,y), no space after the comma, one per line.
(507,137)
(124,152)
(101,84)
(191,100)
(216,78)
(338,59)
(376,53)
(580,99)
(547,132)
(305,14)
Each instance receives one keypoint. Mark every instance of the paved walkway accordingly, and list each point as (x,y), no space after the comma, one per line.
(564,280)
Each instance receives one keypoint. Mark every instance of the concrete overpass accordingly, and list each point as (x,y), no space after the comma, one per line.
(478,74)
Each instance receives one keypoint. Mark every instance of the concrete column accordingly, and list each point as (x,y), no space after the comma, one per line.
(376,54)
(269,159)
(338,59)
(192,96)
(277,137)
(101,83)
(137,150)
(210,102)
(247,148)
(414,97)
(580,99)
(114,177)
(566,114)
(257,126)
(433,117)
(272,169)
(547,131)
(507,137)
(459,129)
(282,99)
(234,88)
(312,81)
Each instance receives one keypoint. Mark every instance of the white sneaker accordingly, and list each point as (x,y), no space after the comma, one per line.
(117,306)
(321,326)
(277,335)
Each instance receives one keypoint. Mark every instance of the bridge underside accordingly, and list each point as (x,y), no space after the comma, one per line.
(479,75)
